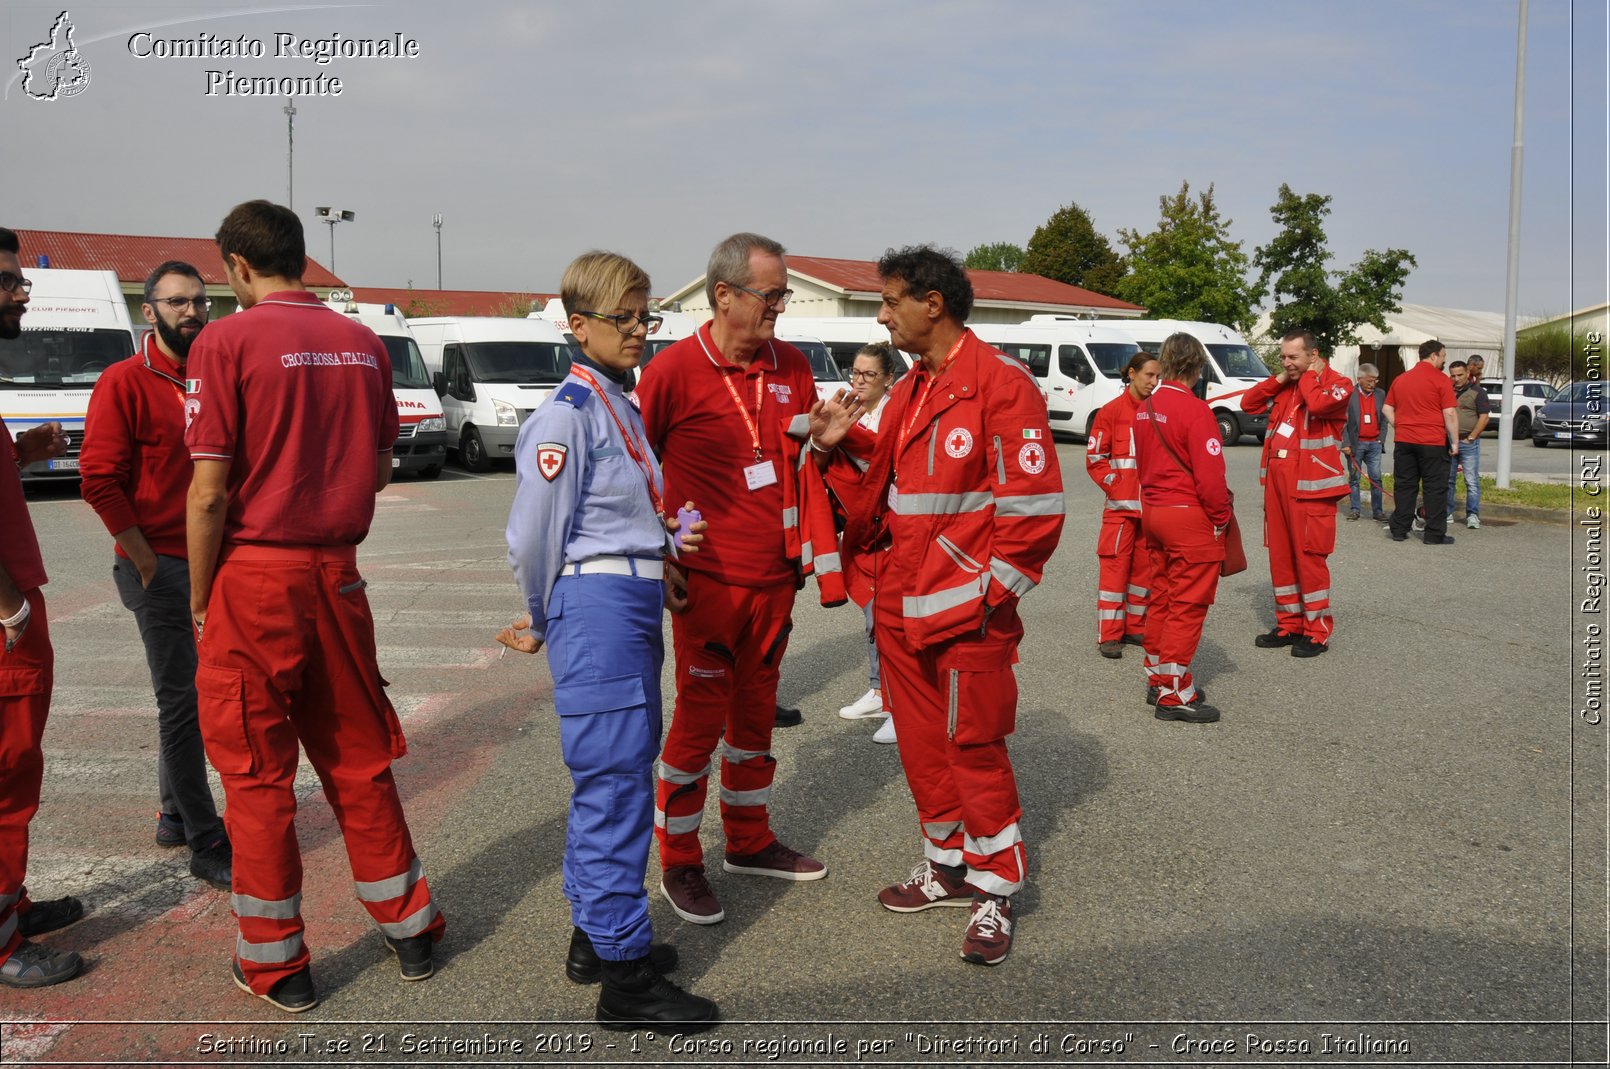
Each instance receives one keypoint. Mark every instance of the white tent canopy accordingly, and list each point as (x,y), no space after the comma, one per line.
(1463,332)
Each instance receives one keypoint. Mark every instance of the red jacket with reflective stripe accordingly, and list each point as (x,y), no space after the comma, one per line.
(1316,407)
(977,507)
(1110,454)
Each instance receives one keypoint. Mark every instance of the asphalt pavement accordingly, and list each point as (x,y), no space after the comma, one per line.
(1394,852)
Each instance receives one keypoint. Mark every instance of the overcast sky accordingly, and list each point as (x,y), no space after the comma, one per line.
(840,128)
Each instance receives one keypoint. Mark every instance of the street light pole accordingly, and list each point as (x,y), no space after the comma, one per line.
(334,216)
(290,154)
(437,223)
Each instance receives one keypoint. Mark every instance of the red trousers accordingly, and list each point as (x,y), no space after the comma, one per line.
(1185,580)
(26,676)
(729,647)
(1300,534)
(954,705)
(288,657)
(1126,576)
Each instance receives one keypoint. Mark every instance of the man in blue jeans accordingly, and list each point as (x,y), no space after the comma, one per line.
(1361,440)
(1474,412)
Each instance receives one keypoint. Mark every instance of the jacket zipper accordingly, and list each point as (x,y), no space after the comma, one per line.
(1000,462)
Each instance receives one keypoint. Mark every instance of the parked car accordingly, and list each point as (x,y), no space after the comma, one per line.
(1576,414)
(1529,396)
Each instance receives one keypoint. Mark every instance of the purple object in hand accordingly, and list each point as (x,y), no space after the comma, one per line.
(685,519)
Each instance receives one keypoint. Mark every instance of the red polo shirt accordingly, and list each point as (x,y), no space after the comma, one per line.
(19,546)
(1418,397)
(704,446)
(298,399)
(134,466)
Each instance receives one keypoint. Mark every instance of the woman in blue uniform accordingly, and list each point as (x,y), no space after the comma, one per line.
(588,540)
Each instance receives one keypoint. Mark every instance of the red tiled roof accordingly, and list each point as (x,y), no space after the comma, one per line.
(419,302)
(861,276)
(133,257)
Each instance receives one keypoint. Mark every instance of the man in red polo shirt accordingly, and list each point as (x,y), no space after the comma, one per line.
(27,665)
(1424,417)
(135,473)
(712,405)
(292,420)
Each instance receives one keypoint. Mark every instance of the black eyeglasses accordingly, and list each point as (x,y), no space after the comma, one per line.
(179,304)
(12,283)
(767,297)
(628,322)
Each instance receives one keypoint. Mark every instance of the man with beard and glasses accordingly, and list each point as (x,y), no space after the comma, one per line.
(135,474)
(27,669)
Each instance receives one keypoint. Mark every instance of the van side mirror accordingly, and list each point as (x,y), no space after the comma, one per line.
(1086,375)
(438,383)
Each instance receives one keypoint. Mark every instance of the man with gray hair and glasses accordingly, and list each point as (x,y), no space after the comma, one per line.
(1361,441)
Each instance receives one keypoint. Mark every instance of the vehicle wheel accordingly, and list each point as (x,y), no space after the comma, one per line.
(1523,423)
(432,472)
(1541,443)
(472,451)
(1229,429)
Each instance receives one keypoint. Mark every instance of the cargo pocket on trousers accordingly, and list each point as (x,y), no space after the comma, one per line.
(221,704)
(979,689)
(1319,537)
(388,715)
(598,695)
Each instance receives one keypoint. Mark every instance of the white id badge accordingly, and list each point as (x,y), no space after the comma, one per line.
(763,473)
(1285,429)
(1368,418)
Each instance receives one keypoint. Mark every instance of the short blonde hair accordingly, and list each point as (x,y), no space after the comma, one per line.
(1181,357)
(600,281)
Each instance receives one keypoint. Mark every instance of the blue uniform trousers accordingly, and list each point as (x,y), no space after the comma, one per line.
(605,651)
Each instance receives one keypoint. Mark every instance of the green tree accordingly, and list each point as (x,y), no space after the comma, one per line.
(996,256)
(1307,294)
(1188,268)
(1069,248)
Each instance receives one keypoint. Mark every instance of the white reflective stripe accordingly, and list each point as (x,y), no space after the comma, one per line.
(1110,595)
(1138,591)
(268,953)
(800,426)
(991,884)
(669,774)
(274,909)
(1004,839)
(1170,669)
(9,927)
(755,797)
(860,465)
(1332,483)
(735,755)
(807,553)
(942,504)
(1137,610)
(1123,506)
(941,829)
(1288,606)
(1127,463)
(412,924)
(1315,443)
(791,517)
(1031,505)
(1110,614)
(392,887)
(1010,577)
(932,604)
(1318,595)
(1091,457)
(1283,591)
(829,562)
(678,825)
(1316,614)
(940,856)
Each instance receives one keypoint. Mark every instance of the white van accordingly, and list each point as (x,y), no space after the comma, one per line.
(421,446)
(844,336)
(1233,367)
(491,373)
(77,325)
(1078,364)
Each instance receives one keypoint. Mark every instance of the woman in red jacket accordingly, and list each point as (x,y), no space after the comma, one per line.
(1126,570)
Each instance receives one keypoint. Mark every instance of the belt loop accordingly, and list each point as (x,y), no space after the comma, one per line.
(632,563)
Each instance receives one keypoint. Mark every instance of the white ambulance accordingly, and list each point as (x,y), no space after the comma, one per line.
(1078,364)
(1233,367)
(491,373)
(77,325)
(421,447)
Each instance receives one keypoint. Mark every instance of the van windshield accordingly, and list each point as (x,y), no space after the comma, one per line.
(823,369)
(1239,362)
(1111,357)
(518,361)
(74,359)
(407,366)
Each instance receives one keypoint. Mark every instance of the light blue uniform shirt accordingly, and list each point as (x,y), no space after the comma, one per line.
(578,494)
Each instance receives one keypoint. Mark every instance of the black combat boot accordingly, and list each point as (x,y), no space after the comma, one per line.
(634,994)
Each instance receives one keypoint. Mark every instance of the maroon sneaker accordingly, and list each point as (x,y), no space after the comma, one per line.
(776,860)
(685,887)
(927,886)
(989,932)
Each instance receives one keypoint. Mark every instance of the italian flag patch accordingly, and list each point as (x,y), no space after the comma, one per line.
(1031,432)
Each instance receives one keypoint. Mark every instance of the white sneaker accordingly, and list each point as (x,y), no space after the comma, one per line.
(868,704)
(1473,522)
(886,732)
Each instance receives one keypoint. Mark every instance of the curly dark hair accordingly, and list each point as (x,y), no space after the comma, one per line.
(925,269)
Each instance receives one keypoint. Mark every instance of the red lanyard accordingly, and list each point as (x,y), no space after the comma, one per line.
(922,399)
(635,449)
(760,394)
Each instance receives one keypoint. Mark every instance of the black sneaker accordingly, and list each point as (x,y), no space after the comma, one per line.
(33,965)
(1274,639)
(583,966)
(789,718)
(170,831)
(1191,714)
(214,864)
(413,956)
(1307,647)
(1153,692)
(48,916)
(1112,649)
(634,994)
(293,994)
(1445,540)
(1135,639)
